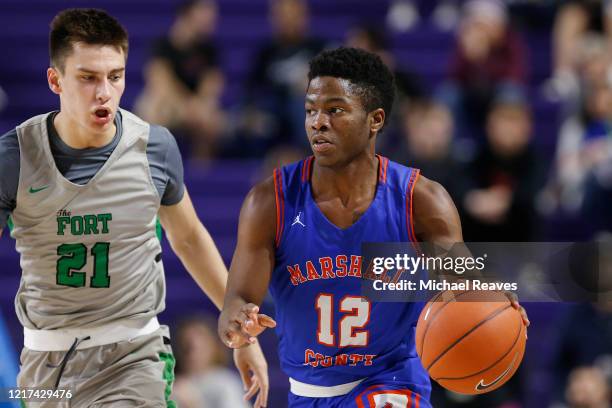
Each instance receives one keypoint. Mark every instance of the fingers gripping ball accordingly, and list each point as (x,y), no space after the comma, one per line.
(470,342)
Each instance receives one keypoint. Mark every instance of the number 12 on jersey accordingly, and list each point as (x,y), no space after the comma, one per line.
(356,315)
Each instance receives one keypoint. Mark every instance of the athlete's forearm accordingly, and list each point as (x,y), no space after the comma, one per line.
(246,284)
(241,292)
(233,302)
(202,260)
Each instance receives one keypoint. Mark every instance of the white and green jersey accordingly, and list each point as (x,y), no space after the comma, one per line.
(89,252)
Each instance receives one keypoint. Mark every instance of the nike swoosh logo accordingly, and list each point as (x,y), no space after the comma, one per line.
(481,386)
(36,190)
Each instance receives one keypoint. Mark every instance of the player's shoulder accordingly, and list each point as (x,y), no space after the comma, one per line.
(9,145)
(37,120)
(430,191)
(159,136)
(262,197)
(267,192)
(258,216)
(430,199)
(129,119)
(398,177)
(163,148)
(9,140)
(9,155)
(290,177)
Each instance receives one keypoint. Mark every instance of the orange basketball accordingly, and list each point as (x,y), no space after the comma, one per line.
(470,342)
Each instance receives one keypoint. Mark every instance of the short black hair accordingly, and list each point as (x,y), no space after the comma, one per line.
(90,26)
(365,70)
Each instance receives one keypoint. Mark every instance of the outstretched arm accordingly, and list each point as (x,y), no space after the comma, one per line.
(251,269)
(194,246)
(240,321)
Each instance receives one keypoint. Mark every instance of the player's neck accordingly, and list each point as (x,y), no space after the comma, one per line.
(77,136)
(353,182)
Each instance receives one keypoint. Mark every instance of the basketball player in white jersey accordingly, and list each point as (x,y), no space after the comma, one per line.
(84,187)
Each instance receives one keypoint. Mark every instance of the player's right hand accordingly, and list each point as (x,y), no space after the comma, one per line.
(240,328)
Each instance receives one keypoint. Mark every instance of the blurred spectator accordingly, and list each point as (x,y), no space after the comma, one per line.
(427,131)
(574,19)
(587,388)
(597,198)
(274,111)
(404,15)
(184,83)
(373,39)
(585,139)
(408,85)
(592,66)
(505,177)
(582,359)
(534,16)
(203,380)
(489,59)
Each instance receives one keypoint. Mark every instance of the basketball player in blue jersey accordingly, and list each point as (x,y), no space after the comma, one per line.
(300,235)
(84,186)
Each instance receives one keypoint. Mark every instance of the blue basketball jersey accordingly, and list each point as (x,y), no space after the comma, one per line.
(329,333)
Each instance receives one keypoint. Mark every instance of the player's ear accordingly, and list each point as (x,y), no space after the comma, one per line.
(377,120)
(53,79)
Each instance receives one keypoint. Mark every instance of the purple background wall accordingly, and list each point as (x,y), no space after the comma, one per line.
(218,188)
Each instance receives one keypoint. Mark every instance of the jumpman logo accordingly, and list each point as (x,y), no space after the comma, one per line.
(297,220)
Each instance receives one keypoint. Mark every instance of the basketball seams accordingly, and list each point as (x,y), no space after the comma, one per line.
(436,313)
(473,329)
(518,336)
(420,352)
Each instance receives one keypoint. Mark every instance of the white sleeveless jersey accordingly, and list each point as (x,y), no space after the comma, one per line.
(89,253)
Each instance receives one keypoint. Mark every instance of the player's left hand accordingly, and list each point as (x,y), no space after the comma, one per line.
(253,369)
(515,304)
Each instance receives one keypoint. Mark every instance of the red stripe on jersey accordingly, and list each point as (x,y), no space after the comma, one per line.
(309,167)
(303,172)
(280,205)
(409,213)
(385,167)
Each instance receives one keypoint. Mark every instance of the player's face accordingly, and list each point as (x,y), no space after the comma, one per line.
(337,124)
(90,86)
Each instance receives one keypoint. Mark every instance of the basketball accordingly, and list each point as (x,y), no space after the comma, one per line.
(470,342)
